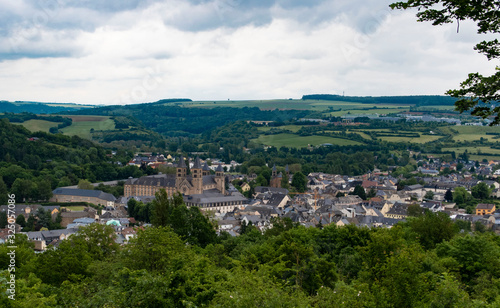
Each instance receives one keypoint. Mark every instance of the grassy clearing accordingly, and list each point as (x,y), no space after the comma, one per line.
(293,128)
(83,124)
(317,105)
(380,111)
(362,134)
(294,141)
(472,133)
(421,139)
(481,157)
(474,150)
(39,125)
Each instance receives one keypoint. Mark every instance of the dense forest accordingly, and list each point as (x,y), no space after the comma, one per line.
(34,107)
(428,261)
(33,164)
(180,121)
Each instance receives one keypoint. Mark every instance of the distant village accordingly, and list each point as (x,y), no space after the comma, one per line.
(329,198)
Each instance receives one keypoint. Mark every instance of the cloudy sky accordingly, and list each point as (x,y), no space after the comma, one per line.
(134,51)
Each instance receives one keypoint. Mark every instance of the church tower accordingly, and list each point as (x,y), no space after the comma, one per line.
(197,174)
(206,169)
(220,179)
(275,178)
(181,172)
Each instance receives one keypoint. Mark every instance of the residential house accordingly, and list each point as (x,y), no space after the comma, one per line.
(485,209)
(397,211)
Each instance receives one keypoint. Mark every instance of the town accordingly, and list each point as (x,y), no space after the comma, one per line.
(235,201)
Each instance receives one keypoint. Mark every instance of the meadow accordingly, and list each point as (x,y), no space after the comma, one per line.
(295,141)
(472,133)
(38,125)
(83,124)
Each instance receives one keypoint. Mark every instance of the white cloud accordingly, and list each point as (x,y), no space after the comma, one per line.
(223,49)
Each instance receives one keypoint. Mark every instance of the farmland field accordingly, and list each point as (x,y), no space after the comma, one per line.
(38,125)
(293,128)
(471,133)
(422,139)
(295,141)
(317,105)
(474,150)
(380,111)
(362,134)
(83,124)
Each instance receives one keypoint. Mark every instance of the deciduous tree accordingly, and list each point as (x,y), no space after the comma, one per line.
(477,93)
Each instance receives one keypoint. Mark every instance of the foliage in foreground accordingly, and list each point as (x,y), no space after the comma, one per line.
(426,262)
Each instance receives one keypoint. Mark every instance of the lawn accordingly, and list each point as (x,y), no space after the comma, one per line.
(75,208)
(295,141)
(83,124)
(39,125)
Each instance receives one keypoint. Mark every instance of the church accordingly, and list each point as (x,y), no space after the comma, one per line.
(197,182)
(200,188)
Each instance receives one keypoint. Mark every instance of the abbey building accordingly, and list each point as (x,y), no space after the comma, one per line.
(199,181)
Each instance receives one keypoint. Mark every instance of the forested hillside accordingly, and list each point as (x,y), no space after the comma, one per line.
(32,164)
(179,120)
(33,107)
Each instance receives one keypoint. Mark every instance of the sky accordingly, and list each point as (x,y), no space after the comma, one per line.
(133,51)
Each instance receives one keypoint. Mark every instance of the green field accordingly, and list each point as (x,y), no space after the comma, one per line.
(362,134)
(422,139)
(317,105)
(83,124)
(474,150)
(292,128)
(295,141)
(38,125)
(361,112)
(472,133)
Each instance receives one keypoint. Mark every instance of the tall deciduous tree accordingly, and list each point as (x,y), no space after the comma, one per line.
(481,191)
(477,93)
(84,184)
(299,181)
(448,195)
(359,191)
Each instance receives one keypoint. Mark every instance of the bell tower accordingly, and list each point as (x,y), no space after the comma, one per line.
(220,179)
(197,174)
(181,172)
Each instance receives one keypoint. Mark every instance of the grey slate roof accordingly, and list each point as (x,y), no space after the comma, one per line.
(182,163)
(197,163)
(262,189)
(209,179)
(84,193)
(163,180)
(276,199)
(214,197)
(205,167)
(219,169)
